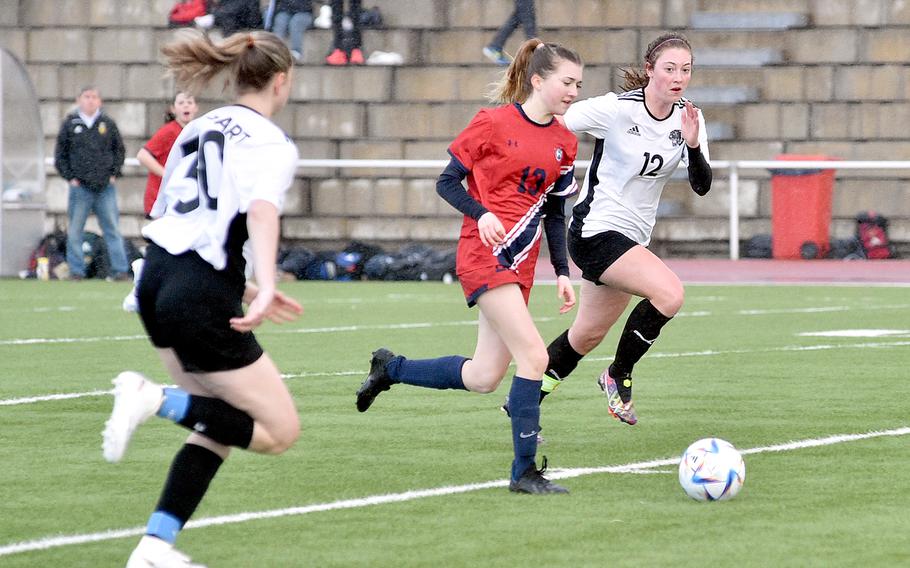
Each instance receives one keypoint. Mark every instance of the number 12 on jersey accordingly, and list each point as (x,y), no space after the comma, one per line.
(651,159)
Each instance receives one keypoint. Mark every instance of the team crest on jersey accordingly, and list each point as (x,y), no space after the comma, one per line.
(559,154)
(102,128)
(676,137)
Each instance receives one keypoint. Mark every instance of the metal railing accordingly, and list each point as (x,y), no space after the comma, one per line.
(732,166)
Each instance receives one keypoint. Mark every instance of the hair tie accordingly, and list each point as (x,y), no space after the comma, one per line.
(250,41)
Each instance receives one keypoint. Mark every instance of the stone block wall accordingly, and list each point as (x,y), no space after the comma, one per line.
(842,88)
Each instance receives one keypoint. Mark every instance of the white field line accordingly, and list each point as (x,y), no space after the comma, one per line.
(423,325)
(332,329)
(786,348)
(67,396)
(658,355)
(49,397)
(638,467)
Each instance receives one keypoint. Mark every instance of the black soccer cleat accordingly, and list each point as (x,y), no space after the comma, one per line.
(377,381)
(533,482)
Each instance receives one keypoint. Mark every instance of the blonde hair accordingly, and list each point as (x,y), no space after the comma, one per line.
(634,77)
(534,57)
(251,58)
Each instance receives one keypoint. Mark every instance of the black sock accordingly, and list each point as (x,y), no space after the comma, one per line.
(192,470)
(218,420)
(623,383)
(563,360)
(641,330)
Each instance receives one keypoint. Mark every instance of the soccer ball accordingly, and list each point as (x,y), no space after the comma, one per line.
(711,470)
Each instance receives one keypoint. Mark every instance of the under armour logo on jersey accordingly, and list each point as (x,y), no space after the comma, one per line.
(676,137)
(634,131)
(559,154)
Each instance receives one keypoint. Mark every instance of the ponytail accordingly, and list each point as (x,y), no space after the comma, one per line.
(534,57)
(252,59)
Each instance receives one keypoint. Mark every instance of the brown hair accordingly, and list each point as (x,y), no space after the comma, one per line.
(252,59)
(168,115)
(634,78)
(534,57)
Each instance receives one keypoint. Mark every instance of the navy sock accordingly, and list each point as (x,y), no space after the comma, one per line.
(441,373)
(192,470)
(524,410)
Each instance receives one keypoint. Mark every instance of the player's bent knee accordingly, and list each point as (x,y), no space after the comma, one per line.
(588,339)
(483,388)
(281,437)
(533,365)
(670,300)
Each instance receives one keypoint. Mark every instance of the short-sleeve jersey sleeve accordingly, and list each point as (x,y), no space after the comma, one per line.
(593,116)
(471,143)
(160,143)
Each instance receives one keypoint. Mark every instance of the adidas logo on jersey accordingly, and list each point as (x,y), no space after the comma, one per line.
(634,131)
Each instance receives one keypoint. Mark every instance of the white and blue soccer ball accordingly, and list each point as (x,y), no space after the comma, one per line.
(711,469)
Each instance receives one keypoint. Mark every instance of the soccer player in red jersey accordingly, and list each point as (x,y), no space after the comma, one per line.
(519,163)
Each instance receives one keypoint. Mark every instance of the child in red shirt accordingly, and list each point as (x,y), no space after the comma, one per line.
(154,154)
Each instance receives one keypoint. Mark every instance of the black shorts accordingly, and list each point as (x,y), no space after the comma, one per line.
(595,254)
(185,304)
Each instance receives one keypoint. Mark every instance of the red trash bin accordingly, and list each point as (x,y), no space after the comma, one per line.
(800,209)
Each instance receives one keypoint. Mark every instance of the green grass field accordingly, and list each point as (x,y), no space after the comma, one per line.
(735,364)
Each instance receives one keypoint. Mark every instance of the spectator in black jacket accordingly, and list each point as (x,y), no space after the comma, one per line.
(89,155)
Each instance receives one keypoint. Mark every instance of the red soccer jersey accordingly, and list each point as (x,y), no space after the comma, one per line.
(159,146)
(514,163)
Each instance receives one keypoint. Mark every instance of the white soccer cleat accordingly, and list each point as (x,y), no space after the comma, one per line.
(153,552)
(135,400)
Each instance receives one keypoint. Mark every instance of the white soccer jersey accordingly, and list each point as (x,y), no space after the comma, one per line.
(220,163)
(634,156)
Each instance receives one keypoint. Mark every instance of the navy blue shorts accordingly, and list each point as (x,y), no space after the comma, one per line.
(185,304)
(595,254)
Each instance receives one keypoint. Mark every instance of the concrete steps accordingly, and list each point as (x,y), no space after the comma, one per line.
(748,20)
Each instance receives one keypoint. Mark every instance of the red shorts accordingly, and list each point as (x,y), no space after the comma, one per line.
(476,282)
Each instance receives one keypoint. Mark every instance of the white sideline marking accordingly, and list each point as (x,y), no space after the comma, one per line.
(856,333)
(49,340)
(658,355)
(47,397)
(333,329)
(794,311)
(422,325)
(66,396)
(639,467)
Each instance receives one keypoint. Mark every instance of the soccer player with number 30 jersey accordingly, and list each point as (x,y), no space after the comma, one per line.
(225,182)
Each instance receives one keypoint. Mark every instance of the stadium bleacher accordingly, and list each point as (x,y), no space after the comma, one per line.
(773,77)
